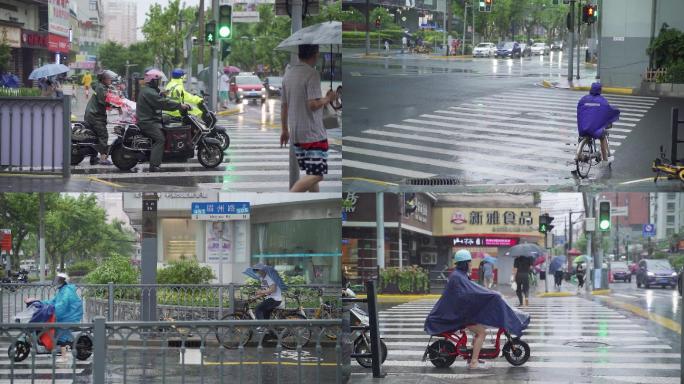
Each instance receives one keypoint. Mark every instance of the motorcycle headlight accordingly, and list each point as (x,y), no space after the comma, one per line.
(240,89)
(650,273)
(674,273)
(271,88)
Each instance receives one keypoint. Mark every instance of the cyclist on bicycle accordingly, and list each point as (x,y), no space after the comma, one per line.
(272,287)
(465,304)
(594,116)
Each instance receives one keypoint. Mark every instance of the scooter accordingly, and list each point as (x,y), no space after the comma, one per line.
(671,168)
(182,138)
(443,352)
(21,348)
(362,342)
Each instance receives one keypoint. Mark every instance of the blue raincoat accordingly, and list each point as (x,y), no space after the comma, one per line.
(594,113)
(270,272)
(68,309)
(464,303)
(42,313)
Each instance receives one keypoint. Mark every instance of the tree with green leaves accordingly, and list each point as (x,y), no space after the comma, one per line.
(5,56)
(165,29)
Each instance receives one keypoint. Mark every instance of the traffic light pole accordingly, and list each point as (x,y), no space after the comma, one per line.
(213,68)
(579,39)
(572,39)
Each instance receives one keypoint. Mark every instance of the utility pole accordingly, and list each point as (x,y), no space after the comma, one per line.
(401,217)
(367,26)
(213,68)
(380,229)
(617,229)
(200,49)
(572,39)
(296,26)
(579,37)
(472,8)
(465,23)
(41,237)
(598,38)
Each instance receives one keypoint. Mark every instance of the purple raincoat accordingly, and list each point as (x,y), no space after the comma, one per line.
(594,114)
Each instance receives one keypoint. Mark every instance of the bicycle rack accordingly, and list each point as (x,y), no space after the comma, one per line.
(373,327)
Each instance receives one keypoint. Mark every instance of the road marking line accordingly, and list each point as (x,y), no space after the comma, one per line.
(105,182)
(663,321)
(473,156)
(437,163)
(281,186)
(373,181)
(286,363)
(543,102)
(515,102)
(561,98)
(523,109)
(545,364)
(225,173)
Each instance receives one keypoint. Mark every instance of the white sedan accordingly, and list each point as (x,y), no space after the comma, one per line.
(484,50)
(540,49)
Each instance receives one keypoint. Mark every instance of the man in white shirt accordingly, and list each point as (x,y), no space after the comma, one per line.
(269,289)
(224,85)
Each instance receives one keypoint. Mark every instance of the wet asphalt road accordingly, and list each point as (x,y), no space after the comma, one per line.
(488,123)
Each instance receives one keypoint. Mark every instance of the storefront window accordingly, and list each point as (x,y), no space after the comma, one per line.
(179,237)
(309,248)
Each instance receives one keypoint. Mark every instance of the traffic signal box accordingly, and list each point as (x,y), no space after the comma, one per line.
(225,22)
(604,216)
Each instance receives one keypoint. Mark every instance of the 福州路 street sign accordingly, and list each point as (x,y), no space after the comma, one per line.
(220,211)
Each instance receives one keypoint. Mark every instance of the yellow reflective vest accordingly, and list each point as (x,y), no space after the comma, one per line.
(176,91)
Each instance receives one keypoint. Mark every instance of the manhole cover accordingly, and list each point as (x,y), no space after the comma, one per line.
(440,180)
(586,344)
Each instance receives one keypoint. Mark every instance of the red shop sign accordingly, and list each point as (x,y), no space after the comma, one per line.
(33,39)
(58,43)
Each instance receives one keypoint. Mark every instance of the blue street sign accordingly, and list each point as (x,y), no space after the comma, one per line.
(219,211)
(344,216)
(649,230)
(558,239)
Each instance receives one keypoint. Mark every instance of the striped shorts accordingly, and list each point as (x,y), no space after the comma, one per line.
(313,157)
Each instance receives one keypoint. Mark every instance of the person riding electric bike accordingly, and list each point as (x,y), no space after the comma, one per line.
(68,309)
(96,115)
(594,116)
(465,304)
(149,111)
(175,90)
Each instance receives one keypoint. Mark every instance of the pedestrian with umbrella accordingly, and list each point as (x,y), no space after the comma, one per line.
(580,271)
(47,77)
(524,255)
(303,103)
(556,267)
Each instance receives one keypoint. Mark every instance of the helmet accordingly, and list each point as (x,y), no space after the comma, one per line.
(153,74)
(462,255)
(177,73)
(60,279)
(107,74)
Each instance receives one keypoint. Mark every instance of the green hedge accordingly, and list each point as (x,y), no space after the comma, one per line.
(116,269)
(185,272)
(408,280)
(81,268)
(19,92)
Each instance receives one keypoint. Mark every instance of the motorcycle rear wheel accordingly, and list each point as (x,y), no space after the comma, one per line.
(119,159)
(84,347)
(442,353)
(210,155)
(76,158)
(360,347)
(223,138)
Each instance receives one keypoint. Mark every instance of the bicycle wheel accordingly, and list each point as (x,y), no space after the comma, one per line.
(291,336)
(584,157)
(234,337)
(329,332)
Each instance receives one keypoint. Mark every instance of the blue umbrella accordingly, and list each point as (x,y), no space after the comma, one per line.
(557,263)
(48,70)
(489,259)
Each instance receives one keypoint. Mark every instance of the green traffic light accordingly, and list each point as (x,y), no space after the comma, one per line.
(224,31)
(604,224)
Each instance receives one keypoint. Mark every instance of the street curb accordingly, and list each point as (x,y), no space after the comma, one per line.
(609,90)
(401,298)
(556,294)
(601,292)
(663,321)
(449,57)
(228,112)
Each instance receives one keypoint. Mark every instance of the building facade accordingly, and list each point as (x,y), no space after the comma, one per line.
(91,21)
(626,34)
(122,24)
(298,234)
(667,213)
(433,231)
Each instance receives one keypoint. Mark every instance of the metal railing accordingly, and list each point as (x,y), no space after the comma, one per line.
(35,135)
(123,302)
(178,352)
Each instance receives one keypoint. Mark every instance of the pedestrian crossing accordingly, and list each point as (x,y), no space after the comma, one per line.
(253,162)
(42,371)
(572,340)
(517,136)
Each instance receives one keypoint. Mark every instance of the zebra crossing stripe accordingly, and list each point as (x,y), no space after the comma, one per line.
(520,109)
(544,364)
(570,98)
(545,102)
(527,103)
(423,344)
(475,156)
(435,162)
(383,168)
(270,186)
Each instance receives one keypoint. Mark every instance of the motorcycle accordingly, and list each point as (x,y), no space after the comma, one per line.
(217,132)
(21,348)
(13,279)
(443,352)
(362,341)
(182,138)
